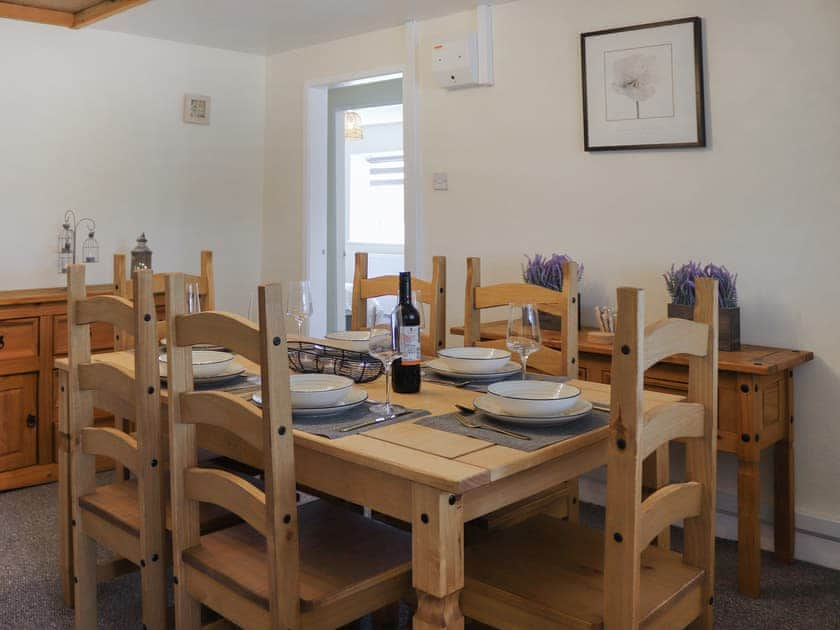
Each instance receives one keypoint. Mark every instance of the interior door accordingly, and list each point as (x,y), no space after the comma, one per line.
(18,421)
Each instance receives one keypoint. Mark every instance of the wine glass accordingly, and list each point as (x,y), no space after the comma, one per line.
(299,302)
(384,344)
(523,332)
(193,298)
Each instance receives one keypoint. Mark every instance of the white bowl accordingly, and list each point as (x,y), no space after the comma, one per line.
(475,360)
(534,398)
(207,363)
(355,339)
(310,391)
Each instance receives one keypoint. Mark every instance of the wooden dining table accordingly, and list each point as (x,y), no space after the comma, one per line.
(434,480)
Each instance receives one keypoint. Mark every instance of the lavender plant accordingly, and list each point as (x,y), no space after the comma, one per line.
(680,283)
(547,271)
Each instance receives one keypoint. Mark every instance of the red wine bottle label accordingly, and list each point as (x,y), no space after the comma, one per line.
(410,345)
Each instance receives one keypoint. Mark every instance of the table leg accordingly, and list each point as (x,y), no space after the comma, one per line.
(437,540)
(65,536)
(784,503)
(749,528)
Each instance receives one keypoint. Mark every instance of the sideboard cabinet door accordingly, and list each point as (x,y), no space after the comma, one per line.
(18,421)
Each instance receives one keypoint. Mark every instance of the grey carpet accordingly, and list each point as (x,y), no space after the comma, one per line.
(801,595)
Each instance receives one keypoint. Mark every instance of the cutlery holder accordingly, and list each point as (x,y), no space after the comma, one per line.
(312,358)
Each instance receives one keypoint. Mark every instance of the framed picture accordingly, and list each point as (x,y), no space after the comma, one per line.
(197,109)
(643,87)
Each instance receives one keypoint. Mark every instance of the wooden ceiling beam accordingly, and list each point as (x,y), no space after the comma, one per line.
(103,10)
(80,19)
(34,14)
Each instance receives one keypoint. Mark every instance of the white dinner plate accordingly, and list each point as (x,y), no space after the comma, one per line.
(489,405)
(353,398)
(441,367)
(234,370)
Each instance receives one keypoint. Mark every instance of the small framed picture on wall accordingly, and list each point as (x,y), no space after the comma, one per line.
(197,109)
(643,86)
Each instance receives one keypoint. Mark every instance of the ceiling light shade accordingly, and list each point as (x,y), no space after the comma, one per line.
(353,129)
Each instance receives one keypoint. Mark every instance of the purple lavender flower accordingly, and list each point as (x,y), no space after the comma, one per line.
(680,283)
(547,272)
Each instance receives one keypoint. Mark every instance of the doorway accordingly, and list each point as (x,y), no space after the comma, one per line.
(366,181)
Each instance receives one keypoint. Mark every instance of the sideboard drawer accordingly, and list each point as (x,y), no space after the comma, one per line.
(18,339)
(101,335)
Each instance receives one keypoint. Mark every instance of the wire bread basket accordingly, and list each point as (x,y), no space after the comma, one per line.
(308,358)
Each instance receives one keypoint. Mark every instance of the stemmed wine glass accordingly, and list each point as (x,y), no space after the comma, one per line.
(193,298)
(523,332)
(384,344)
(299,302)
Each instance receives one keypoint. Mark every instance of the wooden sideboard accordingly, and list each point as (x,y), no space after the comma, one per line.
(755,412)
(33,332)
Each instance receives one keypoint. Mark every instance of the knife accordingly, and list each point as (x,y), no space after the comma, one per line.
(370,423)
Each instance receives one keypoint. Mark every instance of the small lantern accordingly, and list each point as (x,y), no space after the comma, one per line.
(141,255)
(65,248)
(353,129)
(90,249)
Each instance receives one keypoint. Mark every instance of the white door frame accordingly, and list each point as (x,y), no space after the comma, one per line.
(315,180)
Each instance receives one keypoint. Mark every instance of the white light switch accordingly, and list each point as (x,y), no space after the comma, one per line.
(440,181)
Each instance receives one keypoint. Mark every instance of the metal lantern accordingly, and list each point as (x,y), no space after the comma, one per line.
(141,255)
(68,245)
(90,249)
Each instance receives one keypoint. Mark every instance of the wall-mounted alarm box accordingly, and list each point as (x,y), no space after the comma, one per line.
(456,63)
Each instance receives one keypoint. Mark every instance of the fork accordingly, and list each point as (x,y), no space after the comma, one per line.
(469,424)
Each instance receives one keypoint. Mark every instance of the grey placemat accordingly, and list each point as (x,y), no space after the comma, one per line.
(330,426)
(540,436)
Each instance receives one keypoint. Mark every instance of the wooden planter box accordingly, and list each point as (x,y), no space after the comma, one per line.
(729,335)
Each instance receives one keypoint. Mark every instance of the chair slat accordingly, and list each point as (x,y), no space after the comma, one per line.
(113,379)
(106,308)
(234,332)
(674,336)
(670,422)
(112,443)
(226,490)
(515,293)
(666,506)
(224,410)
(390,285)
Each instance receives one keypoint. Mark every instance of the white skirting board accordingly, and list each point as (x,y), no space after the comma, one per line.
(817,539)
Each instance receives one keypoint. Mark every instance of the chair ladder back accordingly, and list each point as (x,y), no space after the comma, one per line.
(622,560)
(431,292)
(701,453)
(563,362)
(149,473)
(280,491)
(631,523)
(183,454)
(82,465)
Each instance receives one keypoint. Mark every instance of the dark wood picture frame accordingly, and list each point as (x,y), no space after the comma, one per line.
(698,79)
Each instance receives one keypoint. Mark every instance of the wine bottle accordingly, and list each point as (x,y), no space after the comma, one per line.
(405,372)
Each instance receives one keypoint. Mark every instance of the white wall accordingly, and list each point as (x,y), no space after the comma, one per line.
(762,198)
(91,120)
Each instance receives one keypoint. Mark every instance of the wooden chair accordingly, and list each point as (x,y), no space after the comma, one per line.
(561,501)
(432,293)
(313,567)
(123,288)
(127,518)
(550,573)
(563,362)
